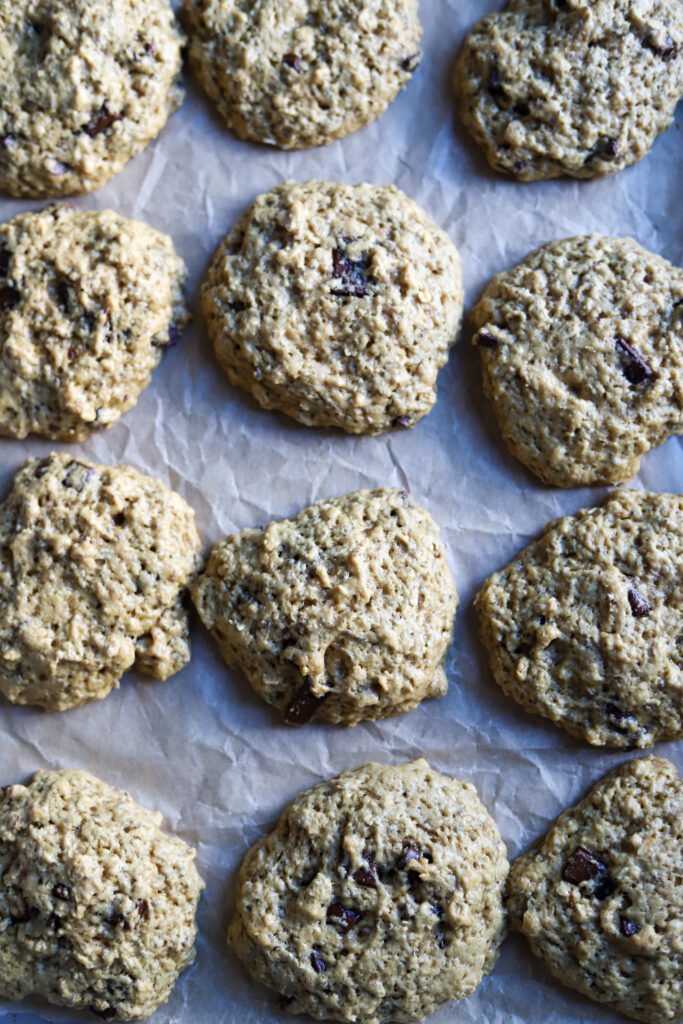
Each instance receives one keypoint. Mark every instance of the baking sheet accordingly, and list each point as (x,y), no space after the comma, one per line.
(202,747)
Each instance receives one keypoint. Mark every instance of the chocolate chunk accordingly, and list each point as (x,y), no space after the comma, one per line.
(172,339)
(667,51)
(412,62)
(77,475)
(100,121)
(304,705)
(346,918)
(367,877)
(61,892)
(55,166)
(142,907)
(119,519)
(621,721)
(42,469)
(352,274)
(116,919)
(485,340)
(627,927)
(5,257)
(317,963)
(292,61)
(604,149)
(583,866)
(410,852)
(9,297)
(640,606)
(633,366)
(495,84)
(402,421)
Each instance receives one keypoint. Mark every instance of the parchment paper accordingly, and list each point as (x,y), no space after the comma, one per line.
(202,747)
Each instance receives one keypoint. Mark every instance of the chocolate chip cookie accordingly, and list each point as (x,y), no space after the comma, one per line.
(377,897)
(299,73)
(600,898)
(84,86)
(345,611)
(97,904)
(585,627)
(582,356)
(93,564)
(335,304)
(576,87)
(88,303)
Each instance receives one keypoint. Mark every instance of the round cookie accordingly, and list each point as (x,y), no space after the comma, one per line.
(378,896)
(93,562)
(345,611)
(88,303)
(84,86)
(299,73)
(335,304)
(584,627)
(600,898)
(582,356)
(575,87)
(97,903)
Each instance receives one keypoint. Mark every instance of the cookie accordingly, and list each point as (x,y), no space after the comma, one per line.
(93,563)
(600,898)
(582,356)
(300,73)
(585,626)
(84,86)
(345,611)
(335,304)
(88,303)
(97,903)
(575,87)
(378,896)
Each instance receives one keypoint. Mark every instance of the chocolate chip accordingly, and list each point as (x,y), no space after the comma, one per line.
(346,918)
(142,907)
(402,421)
(485,340)
(119,519)
(61,892)
(116,919)
(55,166)
(627,927)
(412,62)
(367,877)
(172,339)
(604,149)
(5,257)
(100,121)
(304,705)
(9,297)
(317,963)
(495,84)
(77,475)
(352,274)
(583,866)
(667,51)
(410,852)
(292,61)
(633,366)
(640,606)
(621,721)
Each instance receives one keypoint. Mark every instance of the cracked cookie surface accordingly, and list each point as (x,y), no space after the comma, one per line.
(300,73)
(377,897)
(599,899)
(585,627)
(575,87)
(582,356)
(84,86)
(97,903)
(88,303)
(344,611)
(93,563)
(336,304)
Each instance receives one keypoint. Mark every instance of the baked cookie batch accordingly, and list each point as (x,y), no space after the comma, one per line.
(385,892)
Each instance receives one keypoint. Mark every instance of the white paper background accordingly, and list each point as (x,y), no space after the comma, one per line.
(202,747)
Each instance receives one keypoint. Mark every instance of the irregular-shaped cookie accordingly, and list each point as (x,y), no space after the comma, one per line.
(600,898)
(585,627)
(582,356)
(336,304)
(299,73)
(345,611)
(97,904)
(93,564)
(577,87)
(88,302)
(378,896)
(84,86)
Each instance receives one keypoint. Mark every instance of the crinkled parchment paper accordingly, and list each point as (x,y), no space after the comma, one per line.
(202,747)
